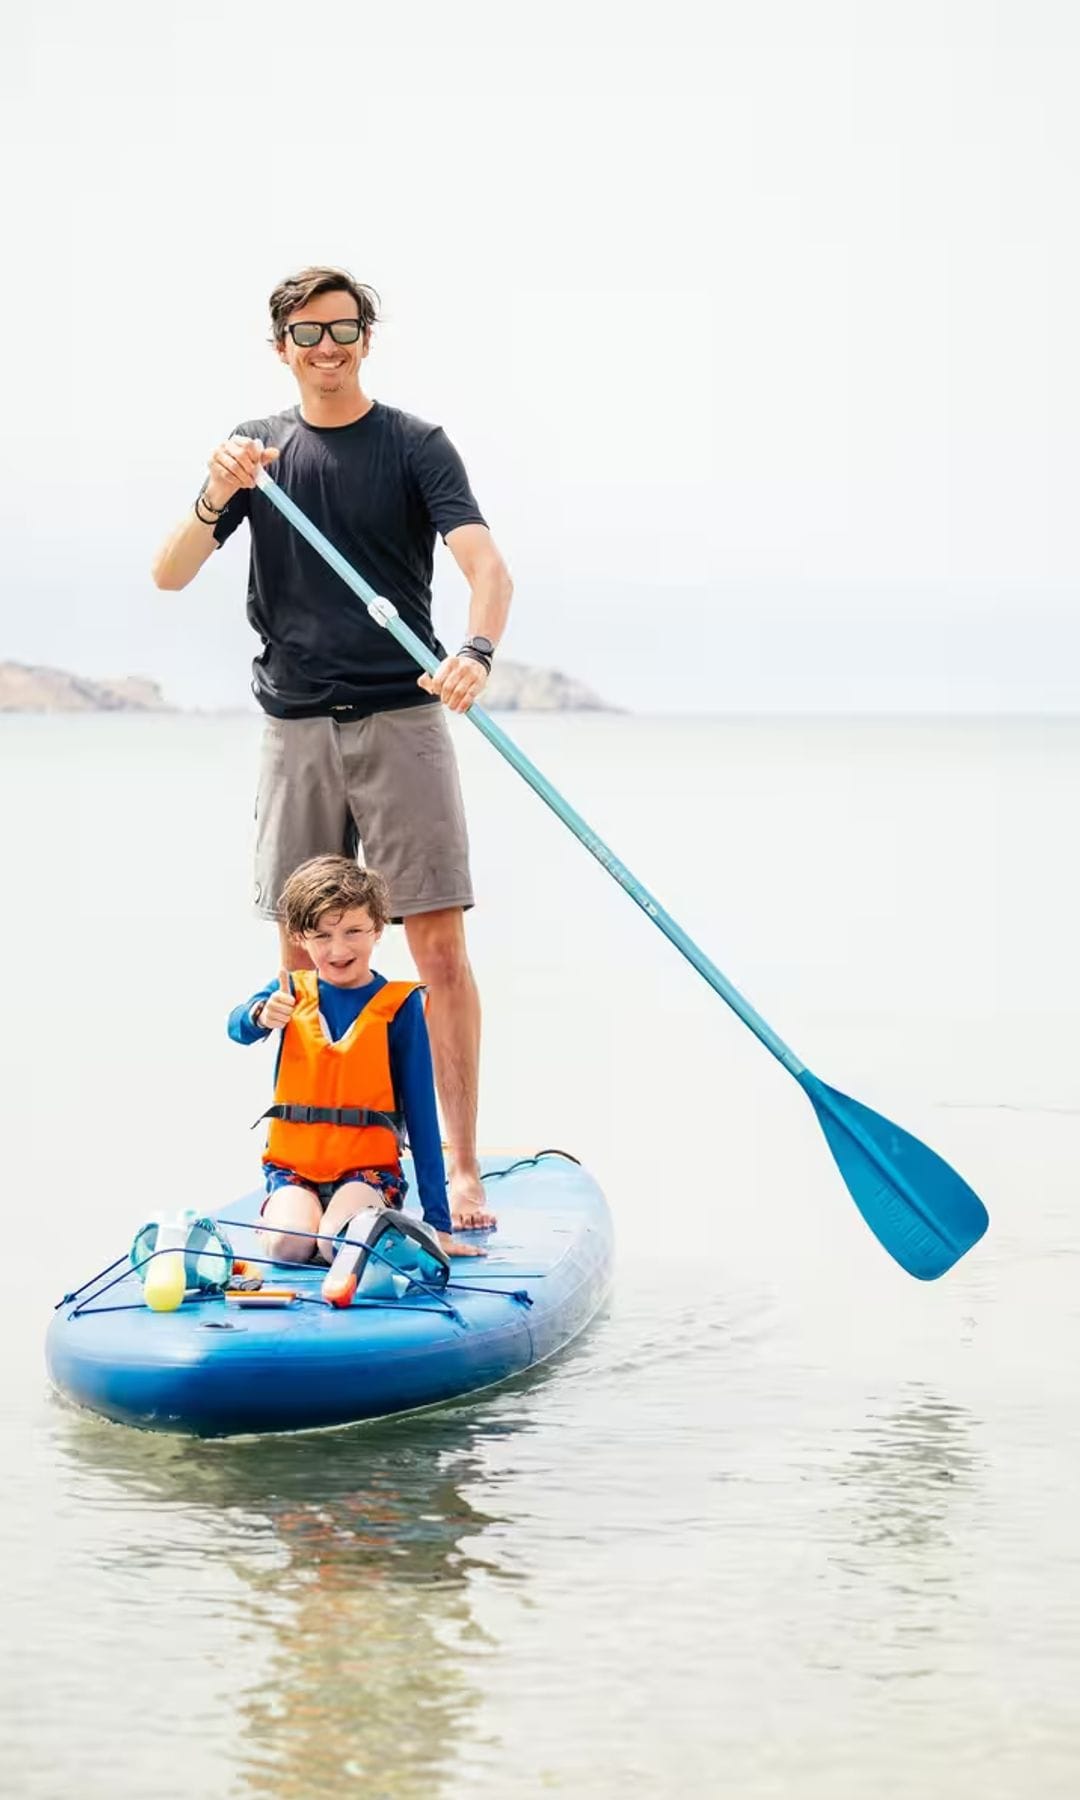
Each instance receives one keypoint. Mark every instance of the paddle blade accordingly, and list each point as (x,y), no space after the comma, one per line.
(923,1213)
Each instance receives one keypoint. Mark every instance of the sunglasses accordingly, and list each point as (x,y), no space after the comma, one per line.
(307,334)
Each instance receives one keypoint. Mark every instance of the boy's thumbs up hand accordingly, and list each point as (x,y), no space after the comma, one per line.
(277,1010)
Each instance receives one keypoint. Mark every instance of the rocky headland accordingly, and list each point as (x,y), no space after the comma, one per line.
(27,687)
(30,688)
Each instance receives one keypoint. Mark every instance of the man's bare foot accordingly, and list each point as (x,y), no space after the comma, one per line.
(468,1202)
(454,1246)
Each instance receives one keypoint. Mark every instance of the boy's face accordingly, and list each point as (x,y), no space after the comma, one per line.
(341,945)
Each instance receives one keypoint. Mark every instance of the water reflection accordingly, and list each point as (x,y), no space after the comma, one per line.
(907,1475)
(356,1550)
(908,1488)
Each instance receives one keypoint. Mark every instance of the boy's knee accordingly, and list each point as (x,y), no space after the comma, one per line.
(283,1246)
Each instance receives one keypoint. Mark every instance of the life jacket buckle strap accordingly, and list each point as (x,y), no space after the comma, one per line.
(359,1117)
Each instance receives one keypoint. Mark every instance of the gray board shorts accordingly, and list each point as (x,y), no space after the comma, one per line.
(385,787)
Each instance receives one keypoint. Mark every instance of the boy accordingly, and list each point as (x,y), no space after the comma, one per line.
(354,1052)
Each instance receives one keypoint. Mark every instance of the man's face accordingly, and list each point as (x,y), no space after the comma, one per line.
(326,367)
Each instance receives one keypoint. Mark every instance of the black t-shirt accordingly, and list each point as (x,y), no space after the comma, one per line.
(379,489)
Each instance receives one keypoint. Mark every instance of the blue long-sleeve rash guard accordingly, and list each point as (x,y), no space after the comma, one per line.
(410,1070)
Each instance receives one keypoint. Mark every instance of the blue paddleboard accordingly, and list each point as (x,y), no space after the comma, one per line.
(213,1368)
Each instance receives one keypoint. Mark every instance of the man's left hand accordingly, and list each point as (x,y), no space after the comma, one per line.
(458,682)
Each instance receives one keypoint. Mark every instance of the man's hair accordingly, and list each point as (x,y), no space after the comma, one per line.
(331,884)
(296,290)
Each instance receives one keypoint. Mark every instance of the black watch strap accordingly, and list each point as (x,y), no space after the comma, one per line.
(481,649)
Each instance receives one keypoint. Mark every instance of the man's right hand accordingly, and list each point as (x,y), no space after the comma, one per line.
(234,465)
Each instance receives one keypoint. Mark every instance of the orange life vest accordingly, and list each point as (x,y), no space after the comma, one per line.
(334,1105)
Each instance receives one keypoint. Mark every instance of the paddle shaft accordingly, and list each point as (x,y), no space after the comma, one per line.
(385,614)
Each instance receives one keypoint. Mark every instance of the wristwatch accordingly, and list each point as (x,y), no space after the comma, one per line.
(480,648)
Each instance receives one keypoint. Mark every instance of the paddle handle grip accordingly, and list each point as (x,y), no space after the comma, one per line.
(385,614)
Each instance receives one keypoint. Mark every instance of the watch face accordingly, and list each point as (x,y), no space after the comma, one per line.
(483,644)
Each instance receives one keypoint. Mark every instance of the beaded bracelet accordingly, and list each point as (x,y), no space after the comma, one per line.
(476,656)
(201,495)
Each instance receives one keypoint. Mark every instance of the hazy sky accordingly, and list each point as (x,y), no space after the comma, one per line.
(755,324)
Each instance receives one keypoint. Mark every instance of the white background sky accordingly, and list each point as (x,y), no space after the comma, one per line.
(756,324)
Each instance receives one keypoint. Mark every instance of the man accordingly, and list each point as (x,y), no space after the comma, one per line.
(356,749)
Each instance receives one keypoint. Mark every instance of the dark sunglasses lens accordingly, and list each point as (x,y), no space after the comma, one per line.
(345,331)
(306,335)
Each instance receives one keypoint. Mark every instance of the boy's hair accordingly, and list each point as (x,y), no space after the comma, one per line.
(297,290)
(328,884)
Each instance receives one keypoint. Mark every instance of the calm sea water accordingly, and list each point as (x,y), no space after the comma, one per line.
(785,1523)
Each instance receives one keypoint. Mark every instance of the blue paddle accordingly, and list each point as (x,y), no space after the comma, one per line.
(924,1214)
